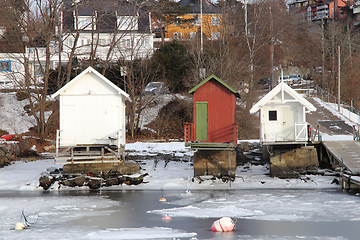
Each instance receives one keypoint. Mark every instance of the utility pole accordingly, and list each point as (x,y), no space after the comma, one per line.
(339,77)
(323,54)
(201,27)
(272,49)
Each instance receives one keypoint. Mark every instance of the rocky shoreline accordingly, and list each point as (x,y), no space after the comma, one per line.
(90,180)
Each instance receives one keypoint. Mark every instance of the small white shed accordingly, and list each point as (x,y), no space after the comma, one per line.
(92,111)
(283,115)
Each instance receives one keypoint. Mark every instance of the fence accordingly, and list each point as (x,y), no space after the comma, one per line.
(345,109)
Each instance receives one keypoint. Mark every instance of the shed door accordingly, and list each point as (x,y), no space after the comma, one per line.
(288,116)
(201,121)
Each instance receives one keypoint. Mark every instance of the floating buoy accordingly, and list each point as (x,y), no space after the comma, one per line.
(19,226)
(224,224)
(162,199)
(167,217)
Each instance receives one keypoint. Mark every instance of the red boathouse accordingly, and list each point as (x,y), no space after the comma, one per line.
(214,113)
(214,129)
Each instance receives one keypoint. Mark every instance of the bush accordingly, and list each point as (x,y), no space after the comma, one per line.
(21,95)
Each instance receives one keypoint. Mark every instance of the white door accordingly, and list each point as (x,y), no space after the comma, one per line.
(288,125)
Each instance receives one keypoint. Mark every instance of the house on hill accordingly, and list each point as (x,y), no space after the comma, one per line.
(111,31)
(318,10)
(185,29)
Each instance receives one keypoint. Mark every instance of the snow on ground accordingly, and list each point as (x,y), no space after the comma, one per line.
(156,103)
(169,175)
(332,108)
(13,117)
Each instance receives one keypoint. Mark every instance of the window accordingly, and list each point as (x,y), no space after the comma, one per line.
(85,23)
(178,21)
(5,66)
(197,21)
(177,35)
(273,115)
(38,70)
(215,35)
(215,21)
(125,43)
(127,23)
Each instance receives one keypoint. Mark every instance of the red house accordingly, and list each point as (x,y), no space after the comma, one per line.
(214,113)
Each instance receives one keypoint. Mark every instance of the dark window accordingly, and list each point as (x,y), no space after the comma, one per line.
(5,66)
(272,116)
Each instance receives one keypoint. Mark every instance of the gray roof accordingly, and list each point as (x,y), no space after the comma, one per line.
(108,10)
(208,7)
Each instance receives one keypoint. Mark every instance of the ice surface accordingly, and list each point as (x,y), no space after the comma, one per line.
(273,205)
(139,233)
(253,195)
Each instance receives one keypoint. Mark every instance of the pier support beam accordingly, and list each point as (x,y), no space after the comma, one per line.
(290,163)
(217,163)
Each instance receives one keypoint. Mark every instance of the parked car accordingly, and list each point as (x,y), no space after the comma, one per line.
(156,88)
(285,79)
(264,82)
(295,78)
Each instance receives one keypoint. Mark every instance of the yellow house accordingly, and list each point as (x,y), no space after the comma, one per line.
(189,25)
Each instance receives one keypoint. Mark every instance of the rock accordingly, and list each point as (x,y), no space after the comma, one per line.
(111,182)
(46,181)
(245,146)
(137,181)
(94,183)
(49,148)
(69,182)
(80,181)
(121,180)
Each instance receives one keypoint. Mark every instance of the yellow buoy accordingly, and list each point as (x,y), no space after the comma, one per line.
(19,226)
(162,199)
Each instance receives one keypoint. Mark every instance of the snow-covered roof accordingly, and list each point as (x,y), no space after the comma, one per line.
(282,88)
(99,76)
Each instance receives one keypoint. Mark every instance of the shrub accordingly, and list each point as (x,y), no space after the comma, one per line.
(21,95)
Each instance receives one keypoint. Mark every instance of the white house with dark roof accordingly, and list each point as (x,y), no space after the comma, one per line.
(283,116)
(112,30)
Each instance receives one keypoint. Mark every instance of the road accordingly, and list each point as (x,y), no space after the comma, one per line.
(328,122)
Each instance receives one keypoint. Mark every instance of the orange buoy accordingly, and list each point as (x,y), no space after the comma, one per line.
(167,217)
(162,199)
(224,224)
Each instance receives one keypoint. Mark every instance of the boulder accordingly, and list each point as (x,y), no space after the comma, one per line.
(46,181)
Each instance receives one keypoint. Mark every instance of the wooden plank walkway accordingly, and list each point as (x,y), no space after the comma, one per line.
(346,152)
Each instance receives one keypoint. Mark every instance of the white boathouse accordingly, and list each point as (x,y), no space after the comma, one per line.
(283,116)
(92,111)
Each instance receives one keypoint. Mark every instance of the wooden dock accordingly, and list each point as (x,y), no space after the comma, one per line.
(347,153)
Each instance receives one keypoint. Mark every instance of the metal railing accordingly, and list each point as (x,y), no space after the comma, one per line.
(314,134)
